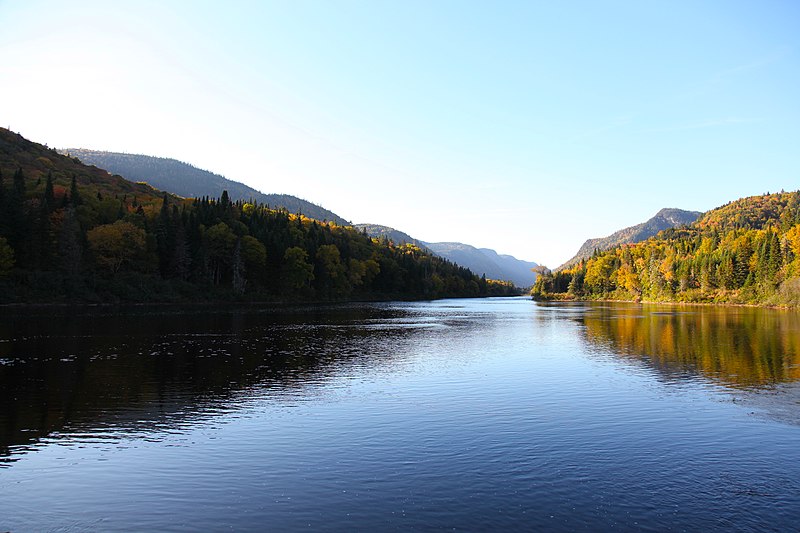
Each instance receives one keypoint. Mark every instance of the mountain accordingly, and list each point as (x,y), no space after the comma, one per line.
(513,269)
(664,219)
(745,252)
(191,182)
(482,261)
(397,236)
(75,233)
(37,161)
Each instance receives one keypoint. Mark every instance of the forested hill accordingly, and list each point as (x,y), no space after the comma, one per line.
(191,182)
(745,252)
(73,233)
(487,262)
(664,219)
(482,261)
(381,232)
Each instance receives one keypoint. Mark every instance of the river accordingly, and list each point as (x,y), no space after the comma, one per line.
(484,414)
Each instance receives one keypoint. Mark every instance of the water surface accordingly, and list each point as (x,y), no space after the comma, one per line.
(456,414)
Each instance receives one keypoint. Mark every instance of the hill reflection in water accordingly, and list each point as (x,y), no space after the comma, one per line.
(140,371)
(736,346)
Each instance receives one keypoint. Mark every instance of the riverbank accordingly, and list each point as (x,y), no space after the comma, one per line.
(563,297)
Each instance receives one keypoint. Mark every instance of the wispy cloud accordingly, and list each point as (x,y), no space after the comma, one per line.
(773,57)
(727,75)
(594,132)
(703,124)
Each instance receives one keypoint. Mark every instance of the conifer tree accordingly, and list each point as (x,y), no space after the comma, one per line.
(49,199)
(19,185)
(74,195)
(3,207)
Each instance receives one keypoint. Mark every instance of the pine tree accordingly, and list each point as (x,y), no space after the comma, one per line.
(69,246)
(19,185)
(3,207)
(239,280)
(74,195)
(49,199)
(163,244)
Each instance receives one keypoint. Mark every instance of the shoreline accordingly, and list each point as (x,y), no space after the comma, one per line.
(220,304)
(652,302)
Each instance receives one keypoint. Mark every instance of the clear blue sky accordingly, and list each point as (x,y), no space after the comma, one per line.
(526,127)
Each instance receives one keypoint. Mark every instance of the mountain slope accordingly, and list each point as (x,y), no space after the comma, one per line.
(745,252)
(464,254)
(396,236)
(74,233)
(485,261)
(37,161)
(664,219)
(191,182)
(516,270)
(482,261)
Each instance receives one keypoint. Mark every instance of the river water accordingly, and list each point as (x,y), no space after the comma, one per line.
(485,414)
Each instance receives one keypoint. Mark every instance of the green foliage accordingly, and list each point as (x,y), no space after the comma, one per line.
(664,219)
(745,252)
(191,182)
(6,257)
(116,245)
(298,273)
(97,237)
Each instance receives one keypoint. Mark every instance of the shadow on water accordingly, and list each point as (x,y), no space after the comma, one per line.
(144,370)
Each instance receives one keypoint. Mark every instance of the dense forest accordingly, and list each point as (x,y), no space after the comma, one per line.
(70,232)
(746,252)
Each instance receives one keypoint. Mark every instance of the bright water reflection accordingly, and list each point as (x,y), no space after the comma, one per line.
(742,347)
(467,414)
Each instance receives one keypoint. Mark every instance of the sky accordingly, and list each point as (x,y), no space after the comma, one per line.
(526,127)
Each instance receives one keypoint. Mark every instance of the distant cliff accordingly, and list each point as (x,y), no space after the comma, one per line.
(664,219)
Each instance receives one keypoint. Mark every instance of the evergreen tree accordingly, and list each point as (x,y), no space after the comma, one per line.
(74,194)
(3,207)
(19,185)
(239,281)
(70,249)
(49,199)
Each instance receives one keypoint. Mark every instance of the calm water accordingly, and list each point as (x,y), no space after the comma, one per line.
(458,414)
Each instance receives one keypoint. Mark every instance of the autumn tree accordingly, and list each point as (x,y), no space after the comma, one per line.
(6,257)
(116,245)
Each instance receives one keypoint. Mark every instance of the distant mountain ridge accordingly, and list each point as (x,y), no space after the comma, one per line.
(71,232)
(664,219)
(481,261)
(188,181)
(744,252)
(397,236)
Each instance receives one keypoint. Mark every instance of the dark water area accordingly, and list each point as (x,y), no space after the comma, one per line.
(456,414)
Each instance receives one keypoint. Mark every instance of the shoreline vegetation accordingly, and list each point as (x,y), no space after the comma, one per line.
(565,298)
(746,252)
(72,233)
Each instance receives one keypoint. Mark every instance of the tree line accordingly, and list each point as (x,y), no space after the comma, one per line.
(65,239)
(745,252)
